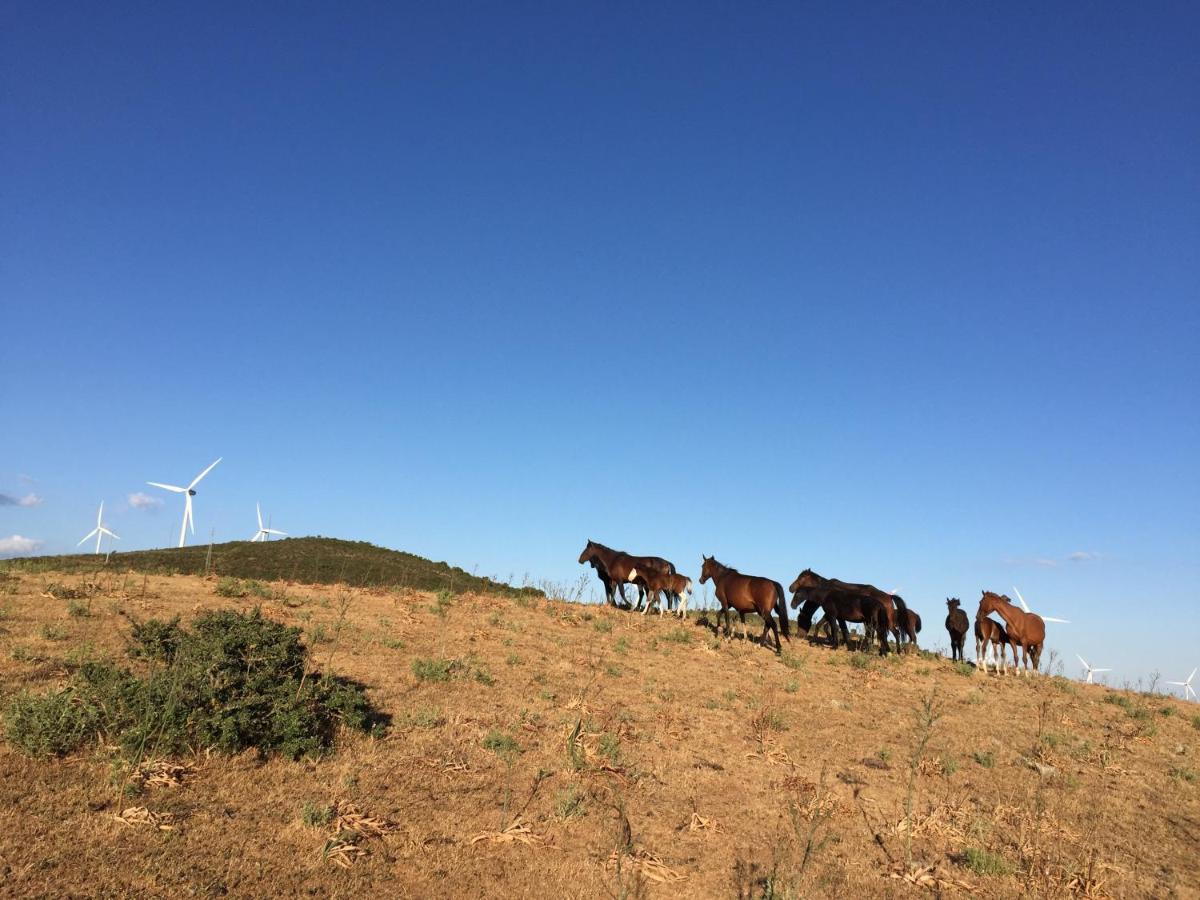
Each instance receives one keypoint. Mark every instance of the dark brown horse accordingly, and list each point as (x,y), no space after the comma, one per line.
(957,624)
(910,625)
(617,569)
(1025,630)
(841,607)
(809,584)
(748,593)
(990,633)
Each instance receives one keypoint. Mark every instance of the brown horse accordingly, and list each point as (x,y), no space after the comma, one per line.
(957,624)
(617,569)
(809,584)
(989,632)
(1025,630)
(841,607)
(910,625)
(676,587)
(748,593)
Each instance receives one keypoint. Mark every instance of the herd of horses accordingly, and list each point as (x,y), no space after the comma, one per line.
(881,613)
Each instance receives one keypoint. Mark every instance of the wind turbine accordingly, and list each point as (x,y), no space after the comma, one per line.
(1090,669)
(189,492)
(1025,606)
(264,534)
(1188,690)
(99,531)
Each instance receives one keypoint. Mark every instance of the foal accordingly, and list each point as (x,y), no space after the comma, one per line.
(989,632)
(677,587)
(957,624)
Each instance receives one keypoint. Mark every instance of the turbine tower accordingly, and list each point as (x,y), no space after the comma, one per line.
(1090,669)
(1188,691)
(264,534)
(99,531)
(189,492)
(1025,606)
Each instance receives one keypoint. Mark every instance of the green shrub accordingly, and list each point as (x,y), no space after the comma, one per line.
(792,661)
(860,660)
(432,669)
(964,668)
(604,626)
(234,681)
(155,639)
(230,587)
(986,759)
(678,635)
(1182,773)
(53,632)
(78,610)
(983,863)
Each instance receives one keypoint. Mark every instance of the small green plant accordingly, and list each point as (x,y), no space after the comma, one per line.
(612,671)
(609,747)
(514,660)
(1196,721)
(792,661)
(860,660)
(503,745)
(884,755)
(792,686)
(622,645)
(569,802)
(78,610)
(1167,711)
(52,632)
(426,718)
(318,634)
(1181,773)
(949,765)
(981,862)
(483,676)
(21,653)
(392,643)
(604,626)
(678,635)
(433,669)
(316,815)
(987,758)
(964,668)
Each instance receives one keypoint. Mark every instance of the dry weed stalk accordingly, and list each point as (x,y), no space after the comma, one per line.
(160,773)
(645,864)
(139,815)
(516,832)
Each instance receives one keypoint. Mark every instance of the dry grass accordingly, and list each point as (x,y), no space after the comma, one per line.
(619,760)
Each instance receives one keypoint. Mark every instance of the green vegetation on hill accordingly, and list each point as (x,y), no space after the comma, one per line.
(312,560)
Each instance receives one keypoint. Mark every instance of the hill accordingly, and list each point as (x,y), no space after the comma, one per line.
(312,560)
(539,746)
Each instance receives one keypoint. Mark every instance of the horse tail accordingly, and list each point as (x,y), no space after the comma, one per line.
(781,609)
(917,616)
(901,613)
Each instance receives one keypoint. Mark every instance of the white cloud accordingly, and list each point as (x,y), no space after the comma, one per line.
(30,499)
(1083,556)
(18,546)
(1046,562)
(143,501)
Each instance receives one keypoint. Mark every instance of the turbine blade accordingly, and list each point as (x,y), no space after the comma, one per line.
(100,514)
(1193,675)
(1052,619)
(88,535)
(258,509)
(1082,660)
(1101,670)
(1024,605)
(196,480)
(110,534)
(167,487)
(187,514)
(274,531)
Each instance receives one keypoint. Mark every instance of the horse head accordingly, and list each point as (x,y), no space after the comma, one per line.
(806,579)
(710,569)
(953,602)
(589,552)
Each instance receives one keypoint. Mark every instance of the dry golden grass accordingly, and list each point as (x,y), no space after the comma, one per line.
(593,753)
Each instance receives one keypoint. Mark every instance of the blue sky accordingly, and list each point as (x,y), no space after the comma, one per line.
(905,293)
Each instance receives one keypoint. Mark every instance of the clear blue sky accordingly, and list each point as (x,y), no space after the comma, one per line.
(906,293)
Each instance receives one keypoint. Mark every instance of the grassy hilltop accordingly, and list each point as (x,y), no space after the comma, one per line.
(311,560)
(517,745)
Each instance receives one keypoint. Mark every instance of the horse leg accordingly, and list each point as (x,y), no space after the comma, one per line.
(770,620)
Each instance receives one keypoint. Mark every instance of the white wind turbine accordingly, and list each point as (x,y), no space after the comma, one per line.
(1025,606)
(264,534)
(99,531)
(189,492)
(1090,669)
(1188,690)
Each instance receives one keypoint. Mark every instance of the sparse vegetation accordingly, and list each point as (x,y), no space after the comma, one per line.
(981,862)
(503,745)
(433,669)
(985,758)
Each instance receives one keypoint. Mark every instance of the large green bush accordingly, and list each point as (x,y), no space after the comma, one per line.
(233,681)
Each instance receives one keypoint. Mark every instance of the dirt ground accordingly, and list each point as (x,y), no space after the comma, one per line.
(577,751)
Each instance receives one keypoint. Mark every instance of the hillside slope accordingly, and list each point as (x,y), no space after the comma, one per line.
(313,560)
(544,747)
